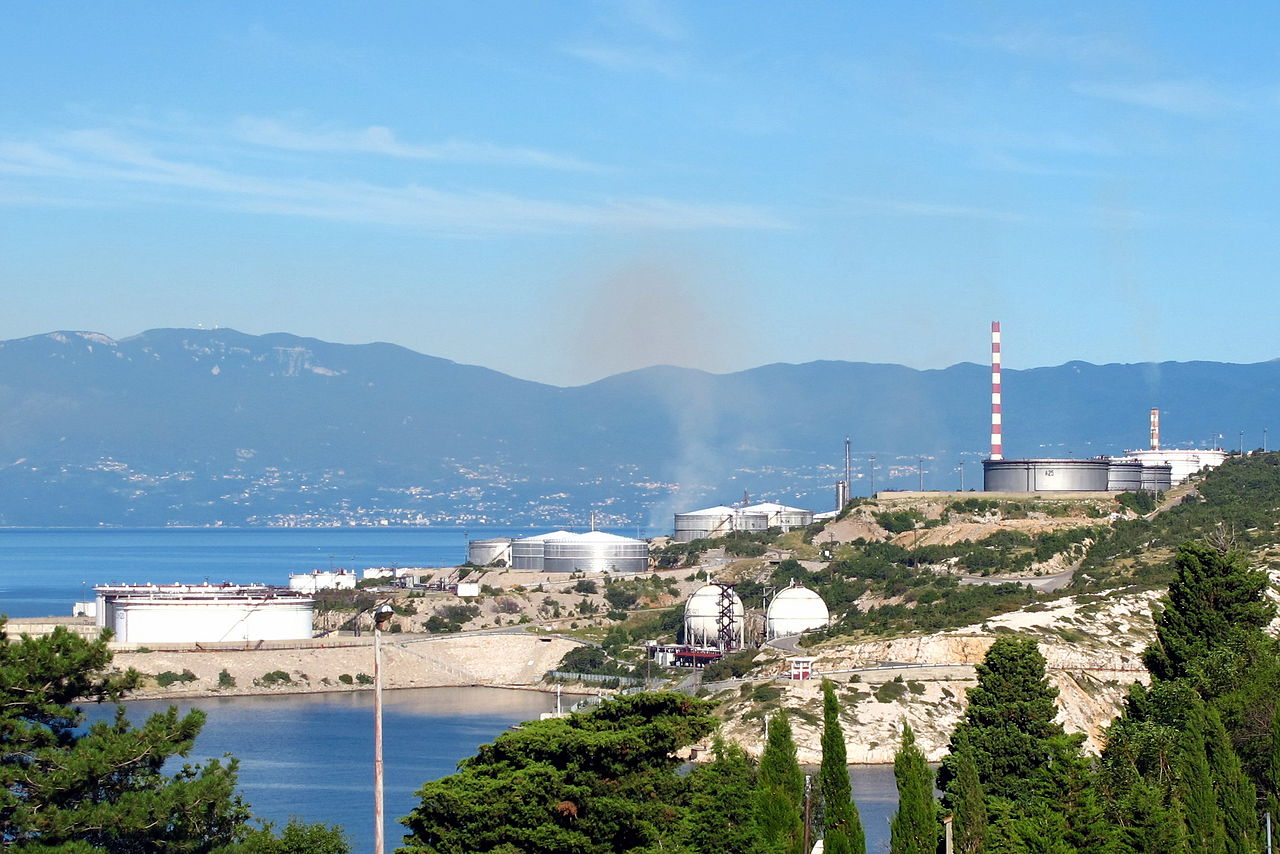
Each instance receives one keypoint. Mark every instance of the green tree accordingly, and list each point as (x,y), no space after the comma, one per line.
(779,792)
(967,803)
(1236,795)
(592,783)
(1195,789)
(101,790)
(915,824)
(721,817)
(1214,600)
(1009,723)
(842,824)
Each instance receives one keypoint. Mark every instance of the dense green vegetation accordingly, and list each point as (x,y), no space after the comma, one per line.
(103,789)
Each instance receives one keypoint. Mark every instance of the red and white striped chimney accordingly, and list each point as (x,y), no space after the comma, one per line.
(1155,429)
(997,447)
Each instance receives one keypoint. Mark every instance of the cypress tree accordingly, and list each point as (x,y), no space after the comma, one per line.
(1195,789)
(968,804)
(915,825)
(1236,795)
(842,824)
(779,792)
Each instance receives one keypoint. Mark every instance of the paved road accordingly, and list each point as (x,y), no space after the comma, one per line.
(1045,583)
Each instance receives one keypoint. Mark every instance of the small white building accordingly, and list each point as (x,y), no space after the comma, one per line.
(323,579)
(203,613)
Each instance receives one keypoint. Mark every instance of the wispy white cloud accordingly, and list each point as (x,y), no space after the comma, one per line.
(655,17)
(381,140)
(1045,42)
(1182,97)
(96,166)
(666,63)
(899,207)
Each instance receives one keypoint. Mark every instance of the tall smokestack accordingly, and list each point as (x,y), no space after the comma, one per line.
(848,470)
(997,446)
(1155,429)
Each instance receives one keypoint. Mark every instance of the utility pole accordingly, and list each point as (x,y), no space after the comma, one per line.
(381,615)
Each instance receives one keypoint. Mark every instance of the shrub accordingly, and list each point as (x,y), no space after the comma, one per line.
(346,679)
(890,691)
(225,679)
(364,679)
(585,586)
(164,680)
(274,677)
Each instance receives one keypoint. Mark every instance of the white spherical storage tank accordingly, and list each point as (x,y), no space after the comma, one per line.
(203,613)
(711,608)
(794,610)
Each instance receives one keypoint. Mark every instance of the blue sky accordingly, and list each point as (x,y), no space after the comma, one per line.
(566,190)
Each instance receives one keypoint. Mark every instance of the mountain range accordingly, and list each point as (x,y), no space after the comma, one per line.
(209,427)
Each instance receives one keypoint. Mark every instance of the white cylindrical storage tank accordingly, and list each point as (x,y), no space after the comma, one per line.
(745,521)
(1123,476)
(794,610)
(1045,475)
(485,552)
(714,616)
(1183,462)
(206,614)
(702,524)
(528,552)
(1157,478)
(780,515)
(596,551)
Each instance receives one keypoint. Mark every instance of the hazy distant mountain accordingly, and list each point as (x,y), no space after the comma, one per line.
(180,426)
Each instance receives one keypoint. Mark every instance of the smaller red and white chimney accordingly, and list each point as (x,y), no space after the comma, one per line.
(997,446)
(1155,429)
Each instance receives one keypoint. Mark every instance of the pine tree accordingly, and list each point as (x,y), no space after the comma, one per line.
(779,792)
(104,789)
(915,825)
(842,824)
(1009,723)
(1236,795)
(967,802)
(1214,599)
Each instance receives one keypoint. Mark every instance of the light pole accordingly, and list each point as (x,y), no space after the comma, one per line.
(381,615)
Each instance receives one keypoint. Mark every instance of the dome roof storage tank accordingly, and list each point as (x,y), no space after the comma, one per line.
(596,551)
(700,524)
(794,610)
(485,552)
(714,616)
(528,552)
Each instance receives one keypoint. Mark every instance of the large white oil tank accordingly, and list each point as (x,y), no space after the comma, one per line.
(596,551)
(203,613)
(711,608)
(1183,462)
(485,552)
(780,515)
(795,609)
(323,579)
(528,552)
(705,523)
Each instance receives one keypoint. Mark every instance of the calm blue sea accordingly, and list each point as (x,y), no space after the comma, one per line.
(311,756)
